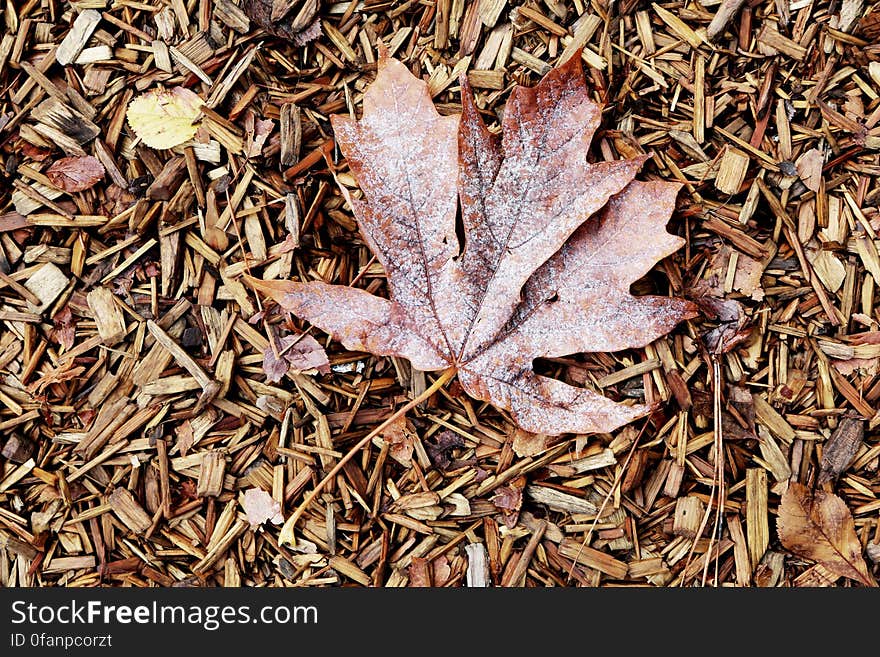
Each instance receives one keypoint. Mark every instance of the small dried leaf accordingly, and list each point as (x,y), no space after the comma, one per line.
(304,353)
(301,353)
(818,525)
(400,441)
(75,174)
(65,327)
(256,133)
(738,415)
(185,437)
(271,405)
(260,507)
(809,168)
(526,443)
(35,152)
(440,448)
(274,367)
(165,118)
(508,500)
(733,322)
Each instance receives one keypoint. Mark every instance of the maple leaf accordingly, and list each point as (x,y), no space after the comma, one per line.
(818,526)
(75,174)
(539,273)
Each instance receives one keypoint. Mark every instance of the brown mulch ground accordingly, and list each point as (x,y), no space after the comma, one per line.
(118,470)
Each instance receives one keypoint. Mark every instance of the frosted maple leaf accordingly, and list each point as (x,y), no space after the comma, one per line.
(551,244)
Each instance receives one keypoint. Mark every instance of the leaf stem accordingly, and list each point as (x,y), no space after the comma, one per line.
(286,535)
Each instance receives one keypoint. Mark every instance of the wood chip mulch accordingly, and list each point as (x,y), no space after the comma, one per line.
(138,427)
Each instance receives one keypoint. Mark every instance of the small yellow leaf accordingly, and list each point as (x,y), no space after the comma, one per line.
(165,118)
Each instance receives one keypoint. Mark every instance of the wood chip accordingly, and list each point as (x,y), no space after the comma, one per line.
(80,33)
(732,171)
(129,512)
(108,316)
